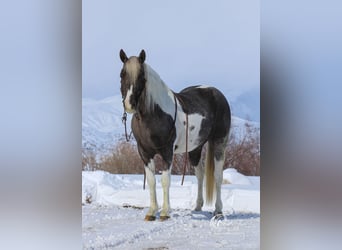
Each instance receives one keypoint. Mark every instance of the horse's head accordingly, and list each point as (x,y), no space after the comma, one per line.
(132,80)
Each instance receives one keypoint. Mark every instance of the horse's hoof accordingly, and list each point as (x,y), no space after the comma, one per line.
(162,218)
(218,216)
(150,218)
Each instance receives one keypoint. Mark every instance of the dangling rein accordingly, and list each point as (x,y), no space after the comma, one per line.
(124,120)
(186,147)
(128,138)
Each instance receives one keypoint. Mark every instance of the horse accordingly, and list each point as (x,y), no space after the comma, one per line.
(167,123)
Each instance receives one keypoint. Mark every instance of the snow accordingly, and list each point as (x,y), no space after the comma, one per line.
(114,207)
(234,177)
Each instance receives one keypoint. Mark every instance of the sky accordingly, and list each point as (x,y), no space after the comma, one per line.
(186,42)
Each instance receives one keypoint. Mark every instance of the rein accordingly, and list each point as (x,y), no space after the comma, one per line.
(186,148)
(124,120)
(186,142)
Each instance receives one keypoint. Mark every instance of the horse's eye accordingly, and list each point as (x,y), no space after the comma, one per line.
(122,73)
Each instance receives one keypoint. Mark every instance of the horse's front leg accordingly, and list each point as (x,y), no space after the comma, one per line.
(151,180)
(165,180)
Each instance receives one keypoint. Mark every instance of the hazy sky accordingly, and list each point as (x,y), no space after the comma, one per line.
(187,42)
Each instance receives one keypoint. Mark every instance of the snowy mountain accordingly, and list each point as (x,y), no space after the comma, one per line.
(247,105)
(102,125)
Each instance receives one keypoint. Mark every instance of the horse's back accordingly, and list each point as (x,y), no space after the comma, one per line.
(196,98)
(209,102)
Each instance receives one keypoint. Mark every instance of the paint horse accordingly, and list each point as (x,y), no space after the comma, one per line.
(168,123)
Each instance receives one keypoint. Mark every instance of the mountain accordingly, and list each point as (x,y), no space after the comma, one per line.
(102,125)
(247,105)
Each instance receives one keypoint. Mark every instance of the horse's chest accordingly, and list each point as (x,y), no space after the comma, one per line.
(141,130)
(152,133)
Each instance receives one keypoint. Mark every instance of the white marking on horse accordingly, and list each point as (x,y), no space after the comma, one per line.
(203,87)
(194,121)
(128,106)
(199,171)
(165,180)
(151,180)
(158,92)
(218,173)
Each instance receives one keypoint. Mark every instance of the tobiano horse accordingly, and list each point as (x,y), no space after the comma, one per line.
(167,123)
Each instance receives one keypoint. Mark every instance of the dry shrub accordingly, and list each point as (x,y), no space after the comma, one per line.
(244,154)
(124,159)
(88,160)
(178,165)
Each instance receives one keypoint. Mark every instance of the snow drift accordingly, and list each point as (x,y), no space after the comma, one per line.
(241,195)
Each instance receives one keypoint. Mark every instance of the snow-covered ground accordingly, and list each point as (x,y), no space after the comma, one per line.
(114,207)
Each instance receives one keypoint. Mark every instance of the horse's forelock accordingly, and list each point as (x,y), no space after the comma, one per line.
(132,68)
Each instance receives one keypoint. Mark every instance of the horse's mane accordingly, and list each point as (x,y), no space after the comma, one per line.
(157,92)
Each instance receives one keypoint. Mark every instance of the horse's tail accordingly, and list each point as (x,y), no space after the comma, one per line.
(209,173)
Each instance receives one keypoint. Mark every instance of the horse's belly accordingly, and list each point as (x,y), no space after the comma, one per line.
(194,138)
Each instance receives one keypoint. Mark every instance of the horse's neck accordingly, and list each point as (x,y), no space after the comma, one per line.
(157,92)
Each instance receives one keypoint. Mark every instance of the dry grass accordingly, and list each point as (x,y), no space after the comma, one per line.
(88,160)
(244,155)
(124,159)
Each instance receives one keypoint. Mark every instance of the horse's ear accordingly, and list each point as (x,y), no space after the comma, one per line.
(142,56)
(123,56)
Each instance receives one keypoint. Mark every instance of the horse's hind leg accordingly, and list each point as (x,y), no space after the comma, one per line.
(199,171)
(219,152)
(195,157)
